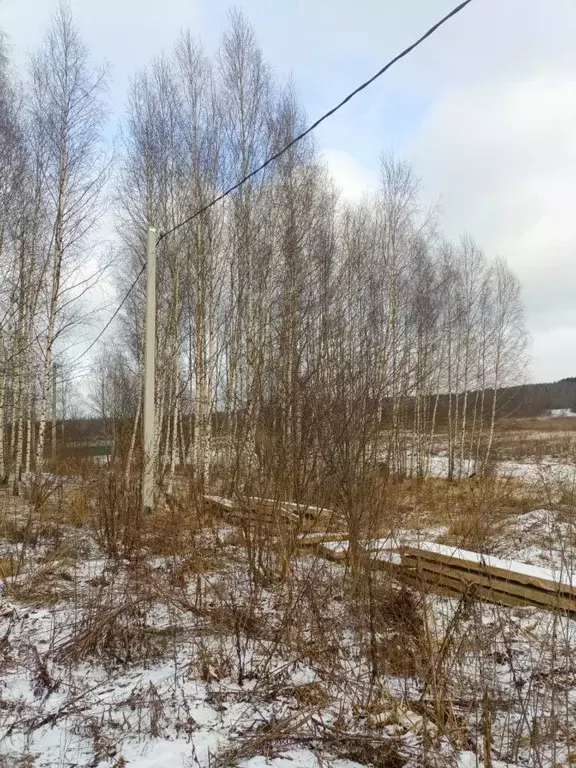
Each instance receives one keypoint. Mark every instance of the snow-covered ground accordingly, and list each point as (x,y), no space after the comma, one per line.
(192,662)
(547,470)
(186,708)
(170,689)
(559,413)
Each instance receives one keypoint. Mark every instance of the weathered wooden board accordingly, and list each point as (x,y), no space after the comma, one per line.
(495,567)
(252,511)
(487,586)
(442,569)
(316,539)
(426,569)
(445,585)
(302,510)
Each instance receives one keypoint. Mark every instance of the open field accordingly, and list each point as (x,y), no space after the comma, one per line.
(195,639)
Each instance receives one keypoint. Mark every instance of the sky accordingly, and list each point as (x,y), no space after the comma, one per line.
(485,111)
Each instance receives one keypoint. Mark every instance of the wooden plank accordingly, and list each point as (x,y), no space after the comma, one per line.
(314,539)
(430,582)
(453,581)
(483,568)
(260,517)
(300,508)
(486,578)
(334,555)
(456,589)
(409,578)
(493,588)
(270,512)
(444,573)
(300,512)
(220,502)
(251,513)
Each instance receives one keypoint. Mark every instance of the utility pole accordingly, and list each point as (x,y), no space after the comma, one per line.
(149,377)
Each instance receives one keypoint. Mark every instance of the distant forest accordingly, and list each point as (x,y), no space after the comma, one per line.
(531,400)
(524,401)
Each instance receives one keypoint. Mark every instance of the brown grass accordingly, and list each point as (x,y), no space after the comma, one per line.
(560,424)
(9,567)
(258,600)
(471,508)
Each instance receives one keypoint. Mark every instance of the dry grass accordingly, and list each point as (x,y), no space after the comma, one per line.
(536,439)
(246,602)
(47,584)
(467,512)
(559,424)
(9,567)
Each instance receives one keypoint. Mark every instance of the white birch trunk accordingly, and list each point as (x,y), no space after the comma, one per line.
(2,409)
(173,447)
(44,402)
(130,456)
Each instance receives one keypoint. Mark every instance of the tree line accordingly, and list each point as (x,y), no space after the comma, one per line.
(301,339)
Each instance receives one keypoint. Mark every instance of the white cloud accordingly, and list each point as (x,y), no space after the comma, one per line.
(351,178)
(553,353)
(502,157)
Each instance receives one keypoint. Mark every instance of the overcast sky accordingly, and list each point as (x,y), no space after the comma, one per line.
(485,110)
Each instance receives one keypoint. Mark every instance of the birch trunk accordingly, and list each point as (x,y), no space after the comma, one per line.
(2,401)
(130,455)
(173,447)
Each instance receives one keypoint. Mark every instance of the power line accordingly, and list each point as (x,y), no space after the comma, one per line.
(320,120)
(109,323)
(278,154)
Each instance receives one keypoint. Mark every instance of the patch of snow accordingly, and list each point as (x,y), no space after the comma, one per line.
(468,759)
(558,413)
(386,556)
(530,472)
(179,753)
(536,520)
(302,758)
(296,758)
(303,675)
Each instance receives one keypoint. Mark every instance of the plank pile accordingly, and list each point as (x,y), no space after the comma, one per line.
(424,566)
(452,571)
(457,571)
(254,510)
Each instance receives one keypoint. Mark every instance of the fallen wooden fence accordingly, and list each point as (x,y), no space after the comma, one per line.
(490,578)
(255,510)
(440,568)
(249,512)
(456,572)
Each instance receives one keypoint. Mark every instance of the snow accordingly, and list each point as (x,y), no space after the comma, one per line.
(545,471)
(179,753)
(470,760)
(388,557)
(372,544)
(294,758)
(380,549)
(558,413)
(167,712)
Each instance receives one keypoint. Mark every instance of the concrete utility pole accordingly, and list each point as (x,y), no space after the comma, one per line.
(149,377)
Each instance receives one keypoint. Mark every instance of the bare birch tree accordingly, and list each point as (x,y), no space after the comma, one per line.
(67,115)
